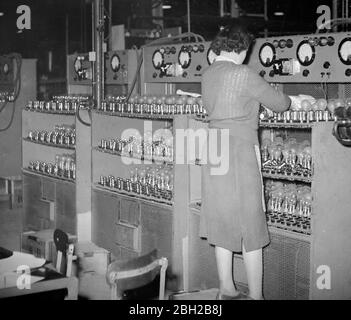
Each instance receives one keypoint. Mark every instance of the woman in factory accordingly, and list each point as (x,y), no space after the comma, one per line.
(233,217)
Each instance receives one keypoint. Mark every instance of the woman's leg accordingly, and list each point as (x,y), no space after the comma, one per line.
(254,271)
(224,259)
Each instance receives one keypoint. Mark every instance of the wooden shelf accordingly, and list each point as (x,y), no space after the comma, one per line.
(50,144)
(61,113)
(278,176)
(41,174)
(118,153)
(136,115)
(289,125)
(288,233)
(133,195)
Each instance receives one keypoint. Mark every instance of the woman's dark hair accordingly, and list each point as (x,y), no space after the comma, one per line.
(232,37)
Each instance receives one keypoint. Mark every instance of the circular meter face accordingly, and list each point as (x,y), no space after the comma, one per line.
(6,68)
(184,59)
(211,56)
(345,51)
(305,53)
(157,59)
(77,65)
(115,63)
(267,54)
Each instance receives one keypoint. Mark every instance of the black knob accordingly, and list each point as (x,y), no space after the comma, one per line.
(289,43)
(271,73)
(262,73)
(348,72)
(154,75)
(282,44)
(199,67)
(331,41)
(115,77)
(305,73)
(185,74)
(326,65)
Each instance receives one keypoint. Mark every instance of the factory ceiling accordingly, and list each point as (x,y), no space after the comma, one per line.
(64,26)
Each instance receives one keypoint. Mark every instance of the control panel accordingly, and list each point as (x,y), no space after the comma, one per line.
(6,70)
(7,78)
(121,66)
(308,58)
(79,69)
(177,62)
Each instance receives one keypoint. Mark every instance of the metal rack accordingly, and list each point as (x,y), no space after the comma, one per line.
(292,260)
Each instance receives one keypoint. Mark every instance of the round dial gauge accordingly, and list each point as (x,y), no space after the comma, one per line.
(115,63)
(157,59)
(6,68)
(77,64)
(184,59)
(267,54)
(305,53)
(211,56)
(345,51)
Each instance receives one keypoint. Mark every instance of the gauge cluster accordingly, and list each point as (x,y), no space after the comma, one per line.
(79,69)
(304,58)
(177,62)
(6,71)
(120,66)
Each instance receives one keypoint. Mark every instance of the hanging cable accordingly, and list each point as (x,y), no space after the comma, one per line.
(17,88)
(333,23)
(80,118)
(11,119)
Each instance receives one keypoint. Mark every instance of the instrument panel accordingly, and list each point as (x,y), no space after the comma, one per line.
(79,71)
(6,71)
(303,58)
(120,66)
(177,62)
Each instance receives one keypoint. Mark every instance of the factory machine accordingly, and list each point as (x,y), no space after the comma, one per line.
(306,165)
(174,73)
(17,85)
(120,70)
(56,157)
(141,196)
(13,72)
(80,73)
(147,179)
(7,78)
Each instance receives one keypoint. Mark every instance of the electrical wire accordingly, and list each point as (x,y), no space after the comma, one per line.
(324,88)
(17,83)
(3,106)
(11,119)
(80,118)
(333,22)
